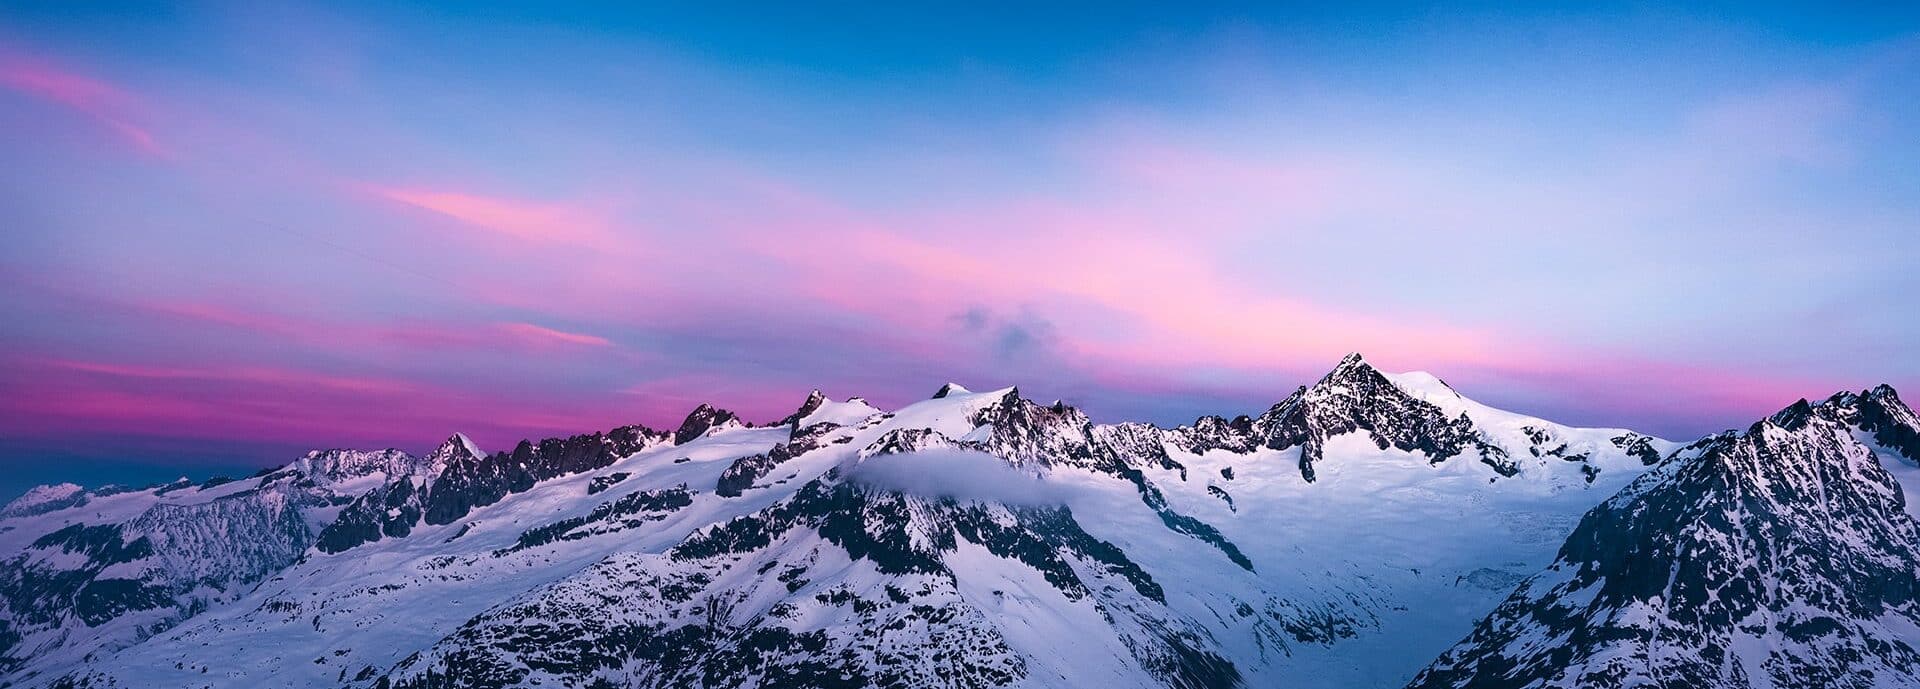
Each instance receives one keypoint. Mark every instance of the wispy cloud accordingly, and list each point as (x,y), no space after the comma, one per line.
(544,335)
(504,238)
(106,104)
(532,221)
(238,374)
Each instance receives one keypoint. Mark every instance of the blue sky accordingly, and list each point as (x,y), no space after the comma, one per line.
(235,230)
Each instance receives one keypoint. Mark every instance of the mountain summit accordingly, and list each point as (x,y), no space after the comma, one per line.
(1346,536)
(1780,556)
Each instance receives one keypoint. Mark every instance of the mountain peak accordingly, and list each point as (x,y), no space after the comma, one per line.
(45,498)
(460,442)
(1878,411)
(950,389)
(808,406)
(457,448)
(1356,397)
(1350,366)
(1704,545)
(1792,417)
(702,419)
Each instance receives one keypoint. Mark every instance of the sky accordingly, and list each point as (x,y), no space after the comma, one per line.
(230,232)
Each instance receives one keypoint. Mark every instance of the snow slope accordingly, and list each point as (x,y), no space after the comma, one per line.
(88,572)
(1783,556)
(1344,537)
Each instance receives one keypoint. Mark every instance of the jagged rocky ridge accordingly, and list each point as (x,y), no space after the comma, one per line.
(1776,557)
(1342,538)
(93,571)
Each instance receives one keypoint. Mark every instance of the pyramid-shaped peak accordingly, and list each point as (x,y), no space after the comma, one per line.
(812,404)
(1353,375)
(1350,371)
(459,442)
(1793,416)
(456,449)
(702,419)
(1351,364)
(949,390)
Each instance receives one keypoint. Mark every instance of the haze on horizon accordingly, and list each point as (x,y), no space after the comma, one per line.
(230,232)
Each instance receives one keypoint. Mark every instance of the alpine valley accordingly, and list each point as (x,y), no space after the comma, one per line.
(1369,530)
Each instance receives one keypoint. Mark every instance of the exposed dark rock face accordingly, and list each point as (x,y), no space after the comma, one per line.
(1356,397)
(1639,446)
(44,499)
(745,471)
(1352,398)
(161,566)
(329,466)
(1216,433)
(901,440)
(704,418)
(601,483)
(38,594)
(470,482)
(1777,557)
(1134,445)
(684,619)
(811,405)
(1879,411)
(1183,523)
(628,512)
(824,576)
(1029,433)
(390,511)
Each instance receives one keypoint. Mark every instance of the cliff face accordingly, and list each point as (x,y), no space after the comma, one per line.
(1781,556)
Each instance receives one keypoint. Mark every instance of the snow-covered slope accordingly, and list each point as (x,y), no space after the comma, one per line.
(1344,537)
(88,572)
(1784,556)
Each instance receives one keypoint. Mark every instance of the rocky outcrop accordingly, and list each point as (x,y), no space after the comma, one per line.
(702,420)
(809,406)
(745,471)
(470,482)
(1355,397)
(1781,556)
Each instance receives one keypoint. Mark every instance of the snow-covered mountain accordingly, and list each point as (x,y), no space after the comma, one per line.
(1784,556)
(1342,538)
(89,572)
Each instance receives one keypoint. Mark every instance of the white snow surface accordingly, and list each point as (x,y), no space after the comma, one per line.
(1358,578)
(848,413)
(42,498)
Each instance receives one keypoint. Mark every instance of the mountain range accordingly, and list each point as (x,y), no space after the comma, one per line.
(1369,530)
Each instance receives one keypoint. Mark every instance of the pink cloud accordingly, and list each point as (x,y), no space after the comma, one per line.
(542,335)
(669,399)
(532,221)
(1156,301)
(1142,308)
(289,405)
(348,335)
(1651,390)
(243,374)
(105,103)
(230,317)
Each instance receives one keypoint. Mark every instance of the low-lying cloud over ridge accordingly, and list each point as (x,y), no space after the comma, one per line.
(963,475)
